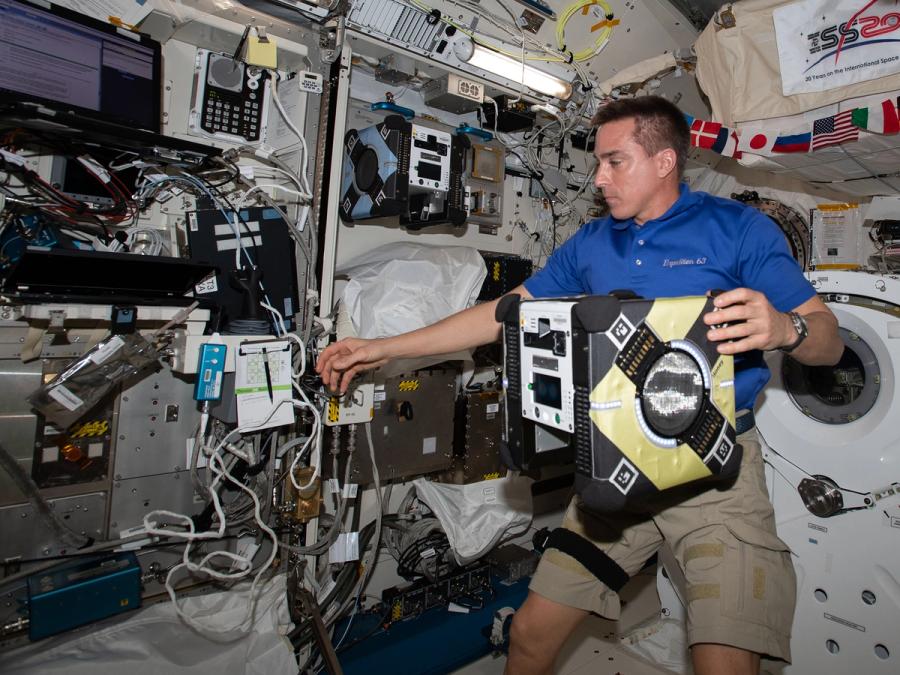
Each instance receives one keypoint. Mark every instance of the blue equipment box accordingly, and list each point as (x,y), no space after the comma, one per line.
(210,371)
(80,592)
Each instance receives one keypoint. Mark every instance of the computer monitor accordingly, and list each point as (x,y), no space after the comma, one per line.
(70,62)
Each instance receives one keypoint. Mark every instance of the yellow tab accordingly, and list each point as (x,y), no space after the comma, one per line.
(262,54)
(703,592)
(703,551)
(759,583)
(603,24)
(408,385)
(837,266)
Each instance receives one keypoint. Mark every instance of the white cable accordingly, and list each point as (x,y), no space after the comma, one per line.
(242,565)
(304,162)
(278,317)
(242,198)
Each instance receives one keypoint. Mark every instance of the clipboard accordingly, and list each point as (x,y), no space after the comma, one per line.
(263,384)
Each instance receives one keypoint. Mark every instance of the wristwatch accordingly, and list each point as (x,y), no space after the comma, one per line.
(802,331)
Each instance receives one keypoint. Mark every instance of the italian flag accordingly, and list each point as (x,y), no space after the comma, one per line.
(880,119)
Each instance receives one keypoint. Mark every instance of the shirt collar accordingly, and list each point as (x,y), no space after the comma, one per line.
(686,199)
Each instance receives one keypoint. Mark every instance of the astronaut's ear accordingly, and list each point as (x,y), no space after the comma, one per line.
(666,161)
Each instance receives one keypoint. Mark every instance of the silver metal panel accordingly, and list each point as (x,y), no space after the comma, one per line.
(132,499)
(17,423)
(156,416)
(25,535)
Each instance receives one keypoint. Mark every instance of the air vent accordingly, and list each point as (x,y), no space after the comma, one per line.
(400,23)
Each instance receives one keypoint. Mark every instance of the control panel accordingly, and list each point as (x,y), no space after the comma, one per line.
(231,99)
(545,344)
(429,163)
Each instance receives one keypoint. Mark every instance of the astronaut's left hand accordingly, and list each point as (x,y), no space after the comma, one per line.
(746,320)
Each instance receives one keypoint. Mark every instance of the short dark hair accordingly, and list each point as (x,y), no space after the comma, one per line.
(658,124)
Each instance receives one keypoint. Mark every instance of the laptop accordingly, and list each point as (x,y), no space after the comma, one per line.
(72,75)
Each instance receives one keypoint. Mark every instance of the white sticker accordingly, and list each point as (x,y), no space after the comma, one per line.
(107,349)
(65,398)
(350,490)
(492,408)
(137,543)
(345,548)
(429,445)
(50,454)
(95,450)
(192,221)
(201,459)
(333,486)
(490,495)
(380,396)
(457,609)
(208,285)
(131,531)
(428,553)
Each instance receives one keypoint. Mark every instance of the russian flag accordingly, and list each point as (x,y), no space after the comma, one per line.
(793,143)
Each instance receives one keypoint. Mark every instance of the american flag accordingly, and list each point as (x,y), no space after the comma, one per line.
(834,130)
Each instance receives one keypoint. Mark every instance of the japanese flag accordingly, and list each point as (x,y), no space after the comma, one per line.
(756,141)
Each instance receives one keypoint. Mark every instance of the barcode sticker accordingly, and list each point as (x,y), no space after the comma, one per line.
(104,351)
(65,398)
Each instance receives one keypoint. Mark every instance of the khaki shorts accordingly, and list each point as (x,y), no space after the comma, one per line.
(741,586)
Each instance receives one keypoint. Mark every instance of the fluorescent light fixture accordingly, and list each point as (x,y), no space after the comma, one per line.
(511,69)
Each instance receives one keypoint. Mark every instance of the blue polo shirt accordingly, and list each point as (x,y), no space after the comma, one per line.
(702,242)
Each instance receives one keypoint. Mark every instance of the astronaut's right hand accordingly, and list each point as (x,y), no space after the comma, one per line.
(342,360)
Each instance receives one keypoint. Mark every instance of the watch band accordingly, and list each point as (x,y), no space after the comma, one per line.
(802,329)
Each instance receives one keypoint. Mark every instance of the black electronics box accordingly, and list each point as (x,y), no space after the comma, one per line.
(504,273)
(387,170)
(512,116)
(266,243)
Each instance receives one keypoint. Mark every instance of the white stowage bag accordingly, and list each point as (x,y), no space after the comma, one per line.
(399,287)
(476,517)
(154,640)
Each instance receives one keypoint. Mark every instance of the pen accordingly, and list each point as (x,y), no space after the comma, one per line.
(268,374)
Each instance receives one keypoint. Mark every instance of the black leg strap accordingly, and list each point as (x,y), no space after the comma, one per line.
(596,561)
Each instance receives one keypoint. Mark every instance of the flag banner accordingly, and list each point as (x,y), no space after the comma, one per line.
(704,134)
(756,141)
(826,44)
(878,119)
(793,143)
(731,149)
(834,130)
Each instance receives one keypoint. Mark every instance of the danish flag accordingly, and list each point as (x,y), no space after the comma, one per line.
(704,134)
